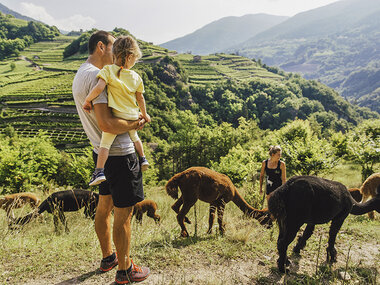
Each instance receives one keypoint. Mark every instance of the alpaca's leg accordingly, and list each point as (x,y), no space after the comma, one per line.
(62,217)
(178,205)
(287,234)
(336,224)
(182,214)
(139,217)
(211,217)
(220,217)
(55,219)
(302,239)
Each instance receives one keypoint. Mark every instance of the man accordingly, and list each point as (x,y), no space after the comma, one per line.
(123,187)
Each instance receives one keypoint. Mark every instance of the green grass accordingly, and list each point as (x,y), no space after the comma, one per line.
(245,255)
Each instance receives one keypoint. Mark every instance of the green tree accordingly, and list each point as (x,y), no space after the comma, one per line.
(364,146)
(302,150)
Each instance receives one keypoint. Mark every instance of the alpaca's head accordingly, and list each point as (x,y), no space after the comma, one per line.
(265,219)
(172,189)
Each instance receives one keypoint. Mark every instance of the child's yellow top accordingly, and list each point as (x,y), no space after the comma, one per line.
(122,91)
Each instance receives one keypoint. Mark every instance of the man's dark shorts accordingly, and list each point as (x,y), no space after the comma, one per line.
(124,180)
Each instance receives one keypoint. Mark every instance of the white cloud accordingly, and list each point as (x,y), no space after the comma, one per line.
(74,22)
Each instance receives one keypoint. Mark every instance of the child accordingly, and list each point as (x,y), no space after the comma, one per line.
(125,88)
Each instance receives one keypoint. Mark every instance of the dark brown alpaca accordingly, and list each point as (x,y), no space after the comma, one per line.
(148,206)
(16,201)
(211,187)
(312,200)
(368,190)
(64,201)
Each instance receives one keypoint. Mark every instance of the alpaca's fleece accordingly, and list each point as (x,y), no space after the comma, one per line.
(146,206)
(15,201)
(370,185)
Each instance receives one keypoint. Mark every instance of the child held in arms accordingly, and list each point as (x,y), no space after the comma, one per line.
(125,88)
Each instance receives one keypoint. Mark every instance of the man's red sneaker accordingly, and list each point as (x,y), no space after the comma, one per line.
(108,263)
(137,274)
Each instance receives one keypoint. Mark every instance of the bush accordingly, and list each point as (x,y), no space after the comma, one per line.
(27,161)
(35,161)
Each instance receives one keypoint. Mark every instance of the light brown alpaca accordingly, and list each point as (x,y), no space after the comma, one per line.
(148,206)
(16,201)
(368,190)
(356,194)
(211,187)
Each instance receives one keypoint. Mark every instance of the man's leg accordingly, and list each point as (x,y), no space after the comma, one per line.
(103,224)
(122,235)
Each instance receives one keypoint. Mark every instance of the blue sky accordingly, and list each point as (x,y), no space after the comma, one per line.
(155,21)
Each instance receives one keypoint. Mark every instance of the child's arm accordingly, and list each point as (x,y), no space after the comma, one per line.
(98,88)
(141,101)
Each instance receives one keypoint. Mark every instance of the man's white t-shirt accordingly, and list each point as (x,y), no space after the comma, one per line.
(84,81)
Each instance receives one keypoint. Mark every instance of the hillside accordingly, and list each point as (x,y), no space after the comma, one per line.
(223,33)
(336,44)
(17,34)
(36,93)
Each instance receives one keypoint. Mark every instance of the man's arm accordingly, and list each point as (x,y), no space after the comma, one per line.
(110,124)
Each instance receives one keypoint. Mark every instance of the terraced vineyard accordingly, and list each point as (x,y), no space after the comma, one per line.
(36,91)
(214,69)
(36,94)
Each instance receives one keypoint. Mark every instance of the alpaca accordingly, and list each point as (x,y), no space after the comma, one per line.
(65,201)
(211,187)
(148,206)
(16,201)
(356,194)
(368,190)
(312,200)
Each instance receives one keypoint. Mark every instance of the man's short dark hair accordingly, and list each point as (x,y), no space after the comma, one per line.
(99,36)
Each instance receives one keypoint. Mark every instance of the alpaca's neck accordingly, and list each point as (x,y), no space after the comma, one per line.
(362,208)
(243,205)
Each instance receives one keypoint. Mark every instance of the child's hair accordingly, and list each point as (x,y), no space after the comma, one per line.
(273,149)
(124,46)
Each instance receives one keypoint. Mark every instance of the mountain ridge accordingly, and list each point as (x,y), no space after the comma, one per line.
(6,10)
(229,31)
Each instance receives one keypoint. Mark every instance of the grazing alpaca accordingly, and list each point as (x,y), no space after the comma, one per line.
(16,201)
(312,200)
(65,201)
(148,206)
(356,194)
(368,190)
(211,187)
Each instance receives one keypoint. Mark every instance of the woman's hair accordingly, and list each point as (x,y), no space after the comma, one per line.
(123,47)
(273,149)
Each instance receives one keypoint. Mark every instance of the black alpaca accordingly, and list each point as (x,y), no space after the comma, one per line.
(65,201)
(312,200)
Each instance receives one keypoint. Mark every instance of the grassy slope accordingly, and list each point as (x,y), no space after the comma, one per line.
(245,255)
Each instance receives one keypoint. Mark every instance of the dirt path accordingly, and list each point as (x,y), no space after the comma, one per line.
(35,65)
(201,270)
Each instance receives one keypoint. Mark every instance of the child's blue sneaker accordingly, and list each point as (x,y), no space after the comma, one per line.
(144,163)
(97,178)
